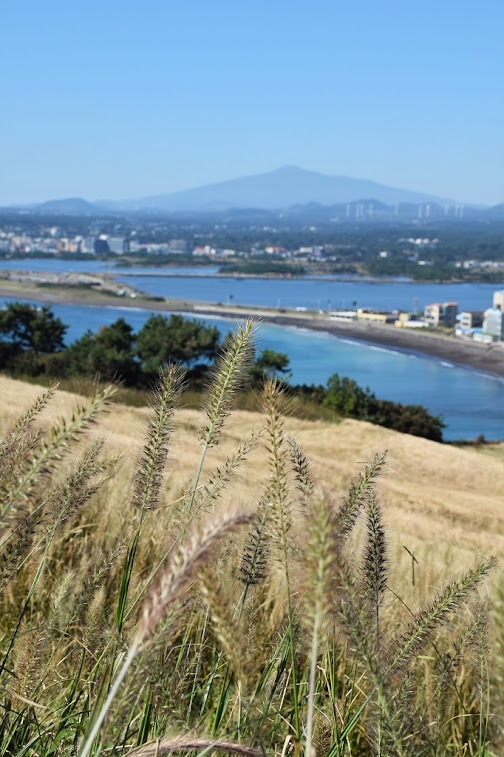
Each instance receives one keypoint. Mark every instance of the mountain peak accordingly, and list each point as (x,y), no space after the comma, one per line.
(279,189)
(291,170)
(288,168)
(68,206)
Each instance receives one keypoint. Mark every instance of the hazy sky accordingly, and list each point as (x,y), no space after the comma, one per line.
(111,99)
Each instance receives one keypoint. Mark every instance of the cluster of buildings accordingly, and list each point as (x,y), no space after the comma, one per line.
(53,242)
(154,239)
(482,326)
(56,240)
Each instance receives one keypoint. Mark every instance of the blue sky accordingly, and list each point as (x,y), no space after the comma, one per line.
(112,99)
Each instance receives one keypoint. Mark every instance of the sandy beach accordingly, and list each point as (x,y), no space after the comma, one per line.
(483,357)
(489,358)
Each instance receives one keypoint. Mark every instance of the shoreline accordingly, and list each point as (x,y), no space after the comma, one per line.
(341,278)
(117,270)
(482,357)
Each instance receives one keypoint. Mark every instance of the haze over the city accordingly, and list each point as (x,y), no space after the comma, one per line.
(122,100)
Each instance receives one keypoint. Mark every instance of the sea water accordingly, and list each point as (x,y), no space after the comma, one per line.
(470,401)
(313,293)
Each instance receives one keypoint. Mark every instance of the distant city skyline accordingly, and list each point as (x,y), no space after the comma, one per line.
(119,100)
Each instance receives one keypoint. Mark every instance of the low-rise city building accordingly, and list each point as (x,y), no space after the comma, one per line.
(493,324)
(439,314)
(343,315)
(271,250)
(118,245)
(410,321)
(482,338)
(379,316)
(498,299)
(179,245)
(470,319)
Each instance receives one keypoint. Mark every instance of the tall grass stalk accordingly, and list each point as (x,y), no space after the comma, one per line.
(177,578)
(278,496)
(48,453)
(150,468)
(320,565)
(228,376)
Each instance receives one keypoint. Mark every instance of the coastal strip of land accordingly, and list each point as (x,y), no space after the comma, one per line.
(488,358)
(483,357)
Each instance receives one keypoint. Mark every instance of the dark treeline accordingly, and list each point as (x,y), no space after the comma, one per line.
(259,267)
(32,344)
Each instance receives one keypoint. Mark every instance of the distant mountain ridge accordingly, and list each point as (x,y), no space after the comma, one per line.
(275,190)
(69,206)
(290,191)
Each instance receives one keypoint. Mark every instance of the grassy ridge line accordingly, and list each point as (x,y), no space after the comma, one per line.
(444,503)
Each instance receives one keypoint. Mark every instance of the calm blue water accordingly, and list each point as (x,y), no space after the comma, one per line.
(93,266)
(310,293)
(471,402)
(313,294)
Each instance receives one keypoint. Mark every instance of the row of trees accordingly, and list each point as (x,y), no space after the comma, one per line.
(347,398)
(32,342)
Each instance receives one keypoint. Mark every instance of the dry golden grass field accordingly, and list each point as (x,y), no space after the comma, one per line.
(444,503)
(318,644)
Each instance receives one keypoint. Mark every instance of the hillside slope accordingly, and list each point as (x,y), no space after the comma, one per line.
(444,503)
